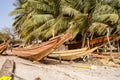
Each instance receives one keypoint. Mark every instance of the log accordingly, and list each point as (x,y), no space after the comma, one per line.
(7,68)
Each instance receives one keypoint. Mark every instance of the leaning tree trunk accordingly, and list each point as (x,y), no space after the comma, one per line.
(83,40)
(108,33)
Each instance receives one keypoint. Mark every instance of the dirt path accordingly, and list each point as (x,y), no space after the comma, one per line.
(53,70)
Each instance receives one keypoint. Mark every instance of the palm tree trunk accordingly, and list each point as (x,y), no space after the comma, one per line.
(92,38)
(88,43)
(83,40)
(108,33)
(118,46)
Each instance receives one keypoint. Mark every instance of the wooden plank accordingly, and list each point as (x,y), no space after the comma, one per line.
(7,68)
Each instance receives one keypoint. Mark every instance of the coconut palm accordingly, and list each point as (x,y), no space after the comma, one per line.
(42,19)
(103,16)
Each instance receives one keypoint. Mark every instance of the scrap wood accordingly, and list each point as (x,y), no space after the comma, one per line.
(7,68)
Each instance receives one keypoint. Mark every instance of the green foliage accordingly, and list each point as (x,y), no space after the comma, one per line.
(42,19)
(105,14)
(4,36)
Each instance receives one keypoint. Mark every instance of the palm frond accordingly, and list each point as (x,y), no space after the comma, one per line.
(39,31)
(113,3)
(118,29)
(60,25)
(98,28)
(107,18)
(36,19)
(103,9)
(78,23)
(17,11)
(69,11)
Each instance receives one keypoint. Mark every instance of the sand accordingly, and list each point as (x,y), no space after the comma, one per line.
(51,69)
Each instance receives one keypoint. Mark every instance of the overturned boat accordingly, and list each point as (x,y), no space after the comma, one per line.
(40,51)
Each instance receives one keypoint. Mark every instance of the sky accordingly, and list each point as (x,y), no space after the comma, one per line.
(6,6)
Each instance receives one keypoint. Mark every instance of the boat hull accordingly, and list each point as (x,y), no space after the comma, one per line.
(40,51)
(72,55)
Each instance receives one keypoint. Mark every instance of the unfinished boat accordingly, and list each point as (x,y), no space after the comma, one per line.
(3,46)
(71,54)
(40,51)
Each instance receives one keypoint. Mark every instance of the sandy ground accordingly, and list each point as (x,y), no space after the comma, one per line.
(52,70)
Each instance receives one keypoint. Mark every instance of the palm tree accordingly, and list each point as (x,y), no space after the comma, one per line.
(42,19)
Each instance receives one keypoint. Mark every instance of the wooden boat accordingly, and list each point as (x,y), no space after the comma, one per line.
(4,46)
(71,54)
(70,51)
(40,51)
(94,42)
